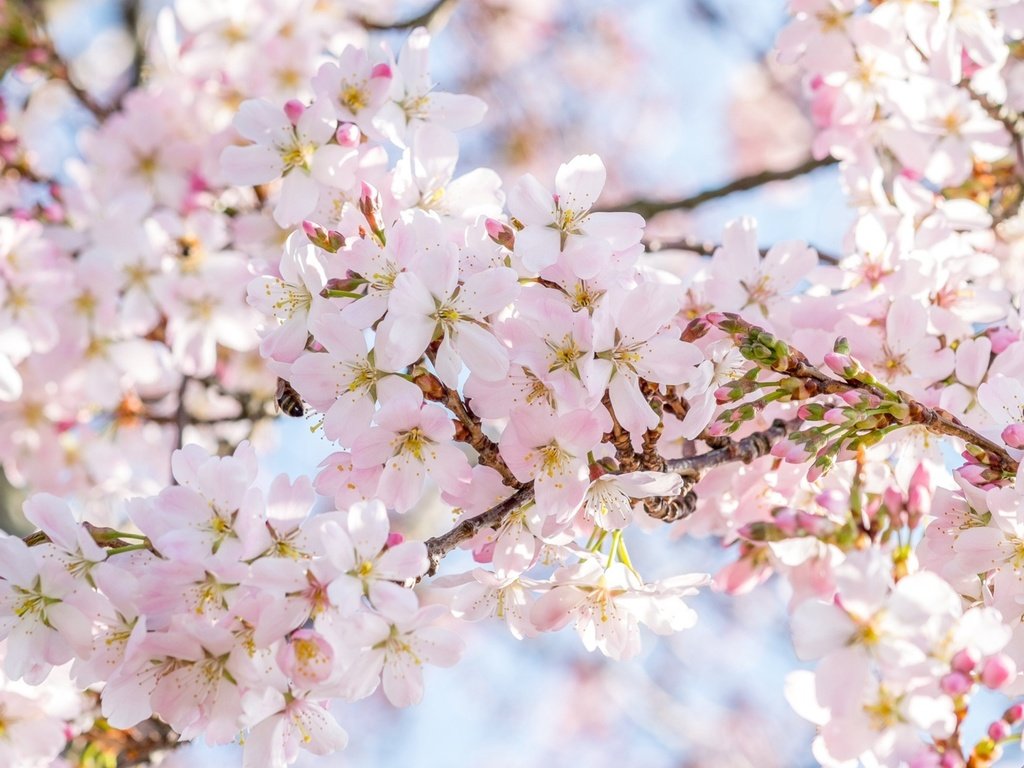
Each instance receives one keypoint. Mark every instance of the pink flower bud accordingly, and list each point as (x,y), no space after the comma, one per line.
(293,109)
(965,660)
(307,658)
(485,553)
(717,429)
(500,233)
(1014,714)
(919,493)
(348,135)
(723,395)
(951,760)
(1013,435)
(381,70)
(814,525)
(839,363)
(973,474)
(786,520)
(998,671)
(394,539)
(715,317)
(955,684)
(893,500)
(835,416)
(998,730)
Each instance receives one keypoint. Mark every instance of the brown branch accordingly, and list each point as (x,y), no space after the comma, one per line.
(433,16)
(439,546)
(708,248)
(468,428)
(745,450)
(649,208)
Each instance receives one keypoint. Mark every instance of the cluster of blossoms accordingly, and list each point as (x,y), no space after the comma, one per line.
(519,356)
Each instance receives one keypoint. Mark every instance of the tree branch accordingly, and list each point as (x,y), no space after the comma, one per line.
(708,248)
(745,450)
(649,208)
(433,16)
(439,546)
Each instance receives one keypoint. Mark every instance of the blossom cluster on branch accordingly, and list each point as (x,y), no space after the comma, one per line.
(279,207)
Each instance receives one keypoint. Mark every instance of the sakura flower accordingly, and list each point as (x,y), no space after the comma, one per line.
(414,100)
(608,605)
(346,380)
(632,340)
(560,226)
(743,280)
(552,451)
(422,306)
(45,614)
(29,735)
(293,299)
(480,594)
(369,567)
(355,88)
(299,151)
(393,652)
(609,500)
(412,439)
(274,742)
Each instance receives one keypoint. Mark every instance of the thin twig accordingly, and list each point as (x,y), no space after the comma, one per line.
(708,248)
(431,17)
(649,208)
(439,546)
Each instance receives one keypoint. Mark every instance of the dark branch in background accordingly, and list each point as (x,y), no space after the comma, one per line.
(130,11)
(435,15)
(649,208)
(707,248)
(745,450)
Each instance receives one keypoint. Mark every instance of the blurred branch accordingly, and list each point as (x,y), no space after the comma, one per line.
(25,38)
(708,248)
(130,10)
(434,15)
(649,208)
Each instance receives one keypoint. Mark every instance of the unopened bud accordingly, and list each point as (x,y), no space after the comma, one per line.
(834,416)
(1013,435)
(998,671)
(696,329)
(501,233)
(1014,714)
(293,110)
(430,386)
(842,346)
(394,539)
(955,684)
(348,135)
(965,660)
(370,205)
(381,70)
(327,239)
(998,731)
